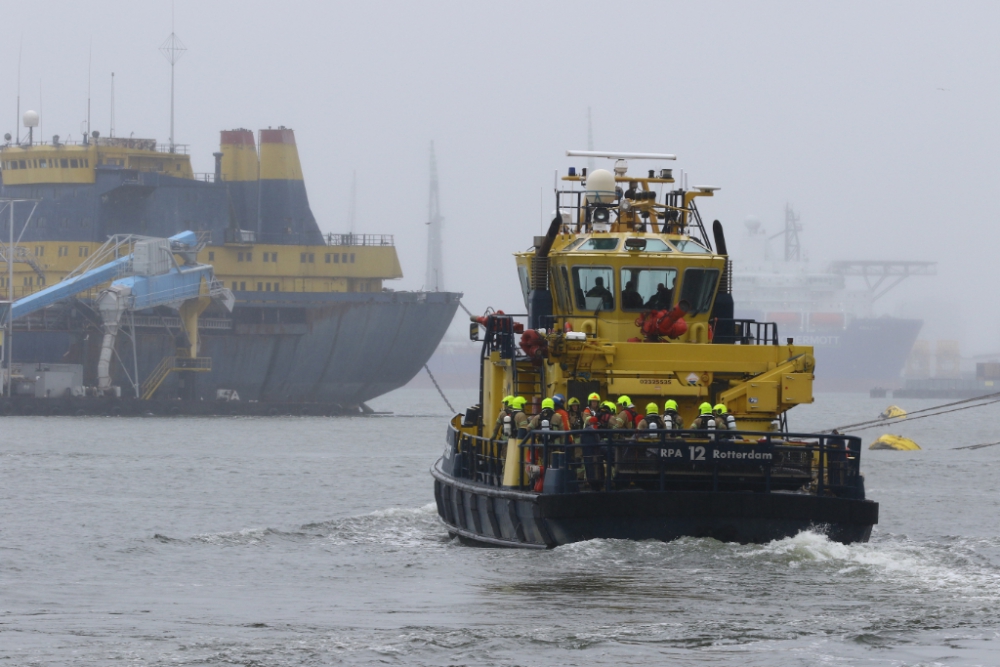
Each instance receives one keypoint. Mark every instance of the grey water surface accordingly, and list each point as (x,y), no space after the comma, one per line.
(314,541)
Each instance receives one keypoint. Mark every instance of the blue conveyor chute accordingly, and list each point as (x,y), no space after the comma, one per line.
(107,272)
(69,287)
(150,291)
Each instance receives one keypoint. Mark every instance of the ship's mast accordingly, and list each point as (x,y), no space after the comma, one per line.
(17,123)
(793,251)
(111,133)
(434,280)
(90,62)
(353,211)
(172,49)
(590,142)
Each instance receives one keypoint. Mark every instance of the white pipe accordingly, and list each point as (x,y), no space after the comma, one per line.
(104,363)
(622,156)
(111,305)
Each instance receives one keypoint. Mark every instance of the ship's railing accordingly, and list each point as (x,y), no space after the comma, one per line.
(240,236)
(746,332)
(628,459)
(359,239)
(573,204)
(204,176)
(104,142)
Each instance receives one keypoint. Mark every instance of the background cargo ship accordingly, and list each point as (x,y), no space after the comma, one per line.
(313,320)
(855,349)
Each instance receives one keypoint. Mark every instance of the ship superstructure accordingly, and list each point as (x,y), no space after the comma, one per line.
(818,306)
(313,320)
(629,299)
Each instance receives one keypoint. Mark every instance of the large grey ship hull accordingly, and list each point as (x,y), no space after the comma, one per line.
(344,344)
(328,348)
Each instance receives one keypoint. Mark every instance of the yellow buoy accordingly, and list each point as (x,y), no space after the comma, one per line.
(893,412)
(896,442)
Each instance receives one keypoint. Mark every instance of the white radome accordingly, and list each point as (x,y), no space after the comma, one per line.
(30,118)
(600,187)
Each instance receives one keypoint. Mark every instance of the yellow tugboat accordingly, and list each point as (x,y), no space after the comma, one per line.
(629,304)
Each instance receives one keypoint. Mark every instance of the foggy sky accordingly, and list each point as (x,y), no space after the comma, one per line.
(876,121)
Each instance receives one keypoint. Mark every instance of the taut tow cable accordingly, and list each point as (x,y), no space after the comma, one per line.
(979,446)
(934,412)
(438,387)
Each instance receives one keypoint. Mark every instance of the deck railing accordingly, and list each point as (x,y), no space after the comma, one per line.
(687,460)
(359,239)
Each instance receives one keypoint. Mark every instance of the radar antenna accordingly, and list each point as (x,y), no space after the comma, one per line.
(434,280)
(173,50)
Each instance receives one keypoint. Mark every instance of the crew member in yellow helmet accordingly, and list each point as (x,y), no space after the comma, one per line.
(705,418)
(722,417)
(605,416)
(519,419)
(593,406)
(651,421)
(547,418)
(626,413)
(506,410)
(671,418)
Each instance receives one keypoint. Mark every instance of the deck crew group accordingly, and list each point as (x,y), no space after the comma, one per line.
(557,414)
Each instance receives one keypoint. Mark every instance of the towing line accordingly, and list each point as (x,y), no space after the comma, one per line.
(873,423)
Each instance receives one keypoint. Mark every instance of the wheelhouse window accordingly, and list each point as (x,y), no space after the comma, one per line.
(599,244)
(647,288)
(652,245)
(593,287)
(690,246)
(522,274)
(564,287)
(698,289)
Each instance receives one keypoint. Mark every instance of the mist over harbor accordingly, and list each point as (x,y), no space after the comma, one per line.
(873,121)
(313,540)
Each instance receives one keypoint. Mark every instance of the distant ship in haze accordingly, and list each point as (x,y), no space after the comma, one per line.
(313,320)
(855,347)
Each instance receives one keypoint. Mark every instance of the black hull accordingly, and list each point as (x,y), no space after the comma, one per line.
(490,516)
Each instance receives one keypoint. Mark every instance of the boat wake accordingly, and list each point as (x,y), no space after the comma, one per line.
(392,527)
(954,565)
(395,527)
(950,567)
